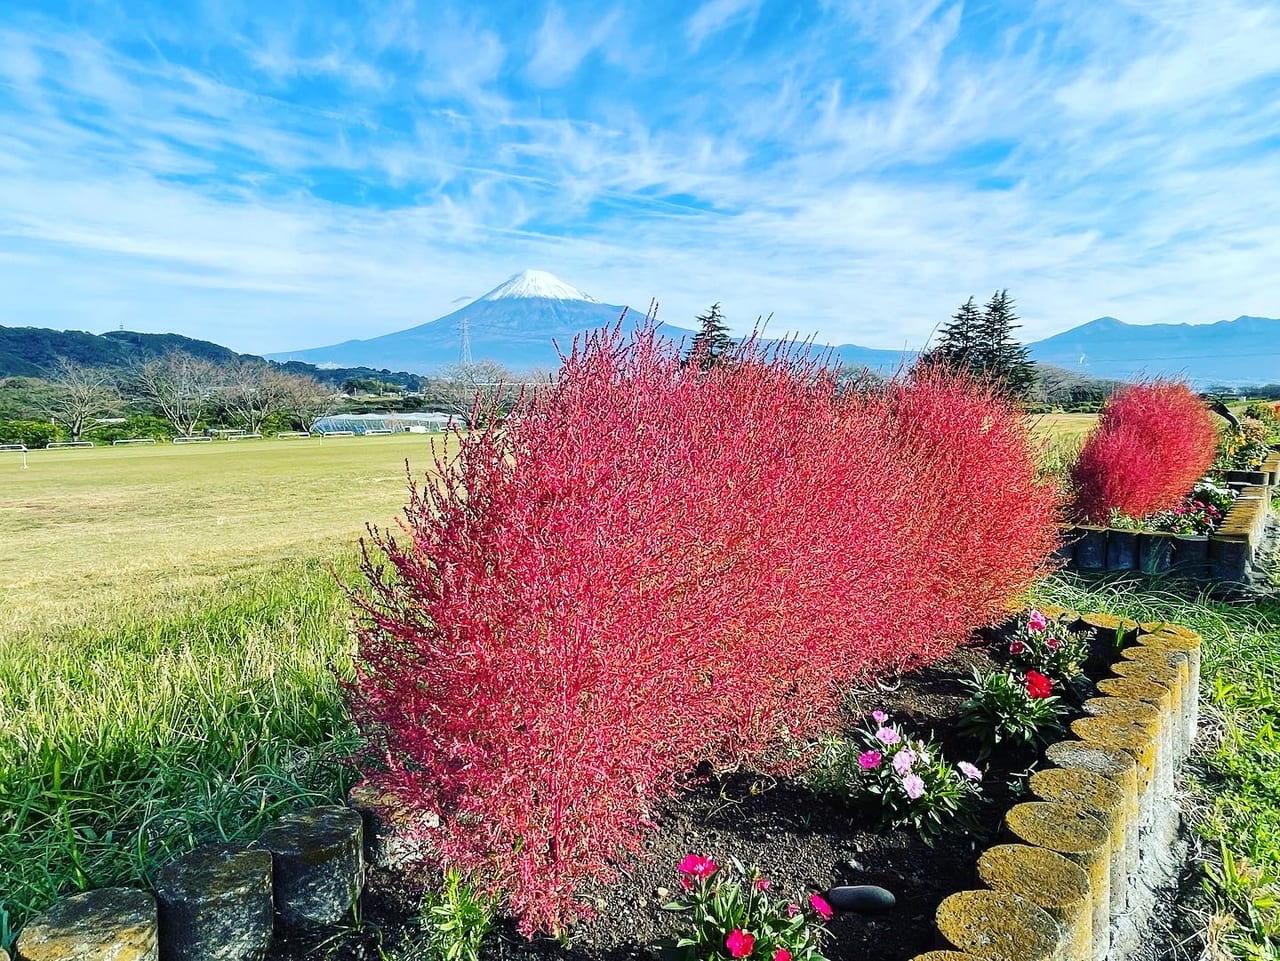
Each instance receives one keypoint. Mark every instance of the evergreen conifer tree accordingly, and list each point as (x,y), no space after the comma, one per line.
(1000,355)
(712,341)
(958,340)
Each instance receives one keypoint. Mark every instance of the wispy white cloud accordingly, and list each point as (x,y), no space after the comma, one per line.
(716,15)
(276,183)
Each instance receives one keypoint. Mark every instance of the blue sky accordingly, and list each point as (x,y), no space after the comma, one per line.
(280,175)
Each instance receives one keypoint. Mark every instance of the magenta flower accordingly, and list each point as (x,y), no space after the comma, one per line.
(887,735)
(740,943)
(697,865)
(1036,622)
(969,771)
(903,760)
(762,884)
(793,910)
(1053,643)
(870,760)
(879,717)
(782,954)
(913,784)
(820,906)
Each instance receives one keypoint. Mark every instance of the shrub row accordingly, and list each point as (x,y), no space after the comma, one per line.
(651,566)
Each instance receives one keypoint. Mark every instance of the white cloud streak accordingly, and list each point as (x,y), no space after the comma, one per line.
(857,175)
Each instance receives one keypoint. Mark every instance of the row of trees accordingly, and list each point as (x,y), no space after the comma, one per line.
(185,390)
(980,341)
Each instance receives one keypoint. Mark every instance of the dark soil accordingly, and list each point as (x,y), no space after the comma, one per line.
(800,841)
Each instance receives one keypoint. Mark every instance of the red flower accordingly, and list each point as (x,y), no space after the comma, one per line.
(740,943)
(782,954)
(762,884)
(697,865)
(820,906)
(1017,647)
(1053,643)
(1038,685)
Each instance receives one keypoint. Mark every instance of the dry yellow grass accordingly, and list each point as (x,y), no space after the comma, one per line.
(86,529)
(1063,426)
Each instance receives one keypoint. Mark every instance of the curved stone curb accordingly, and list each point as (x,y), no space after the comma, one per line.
(318,864)
(1078,837)
(996,926)
(216,905)
(1049,881)
(1096,844)
(110,924)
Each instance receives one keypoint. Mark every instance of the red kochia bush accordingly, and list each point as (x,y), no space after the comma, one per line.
(651,566)
(1152,443)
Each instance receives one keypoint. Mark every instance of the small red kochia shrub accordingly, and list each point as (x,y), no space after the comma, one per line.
(1152,443)
(651,566)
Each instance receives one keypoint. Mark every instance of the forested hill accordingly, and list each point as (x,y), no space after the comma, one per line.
(32,351)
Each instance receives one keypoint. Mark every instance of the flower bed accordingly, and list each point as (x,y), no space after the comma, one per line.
(795,833)
(749,864)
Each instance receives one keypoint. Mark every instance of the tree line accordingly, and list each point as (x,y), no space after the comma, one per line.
(979,341)
(182,389)
(182,393)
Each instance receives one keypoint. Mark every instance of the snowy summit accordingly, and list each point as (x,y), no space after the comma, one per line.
(536,283)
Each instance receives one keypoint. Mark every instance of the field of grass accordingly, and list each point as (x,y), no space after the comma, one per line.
(84,529)
(172,641)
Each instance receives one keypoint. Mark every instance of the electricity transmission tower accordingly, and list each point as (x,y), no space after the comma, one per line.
(464,354)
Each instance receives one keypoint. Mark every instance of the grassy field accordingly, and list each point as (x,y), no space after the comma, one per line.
(172,641)
(84,529)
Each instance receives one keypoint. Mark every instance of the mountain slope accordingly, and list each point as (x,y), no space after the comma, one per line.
(1241,351)
(519,324)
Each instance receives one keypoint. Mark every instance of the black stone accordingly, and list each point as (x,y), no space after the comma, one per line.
(862,898)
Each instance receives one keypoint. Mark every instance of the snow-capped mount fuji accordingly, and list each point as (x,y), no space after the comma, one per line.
(536,284)
(520,324)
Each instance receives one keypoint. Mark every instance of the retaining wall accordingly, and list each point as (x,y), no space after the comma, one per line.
(1225,556)
(1076,875)
(217,903)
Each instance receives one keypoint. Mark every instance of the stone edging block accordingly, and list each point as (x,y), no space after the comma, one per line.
(1088,852)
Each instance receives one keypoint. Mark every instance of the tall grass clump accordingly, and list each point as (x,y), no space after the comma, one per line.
(127,741)
(1152,443)
(652,566)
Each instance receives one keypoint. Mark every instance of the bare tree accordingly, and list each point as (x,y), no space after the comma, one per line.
(80,394)
(307,399)
(252,392)
(484,389)
(182,387)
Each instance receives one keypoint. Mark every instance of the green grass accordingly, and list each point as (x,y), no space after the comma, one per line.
(172,642)
(85,530)
(1236,771)
(125,743)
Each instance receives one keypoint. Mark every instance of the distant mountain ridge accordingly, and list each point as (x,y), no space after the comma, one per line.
(518,321)
(525,321)
(33,351)
(1237,352)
